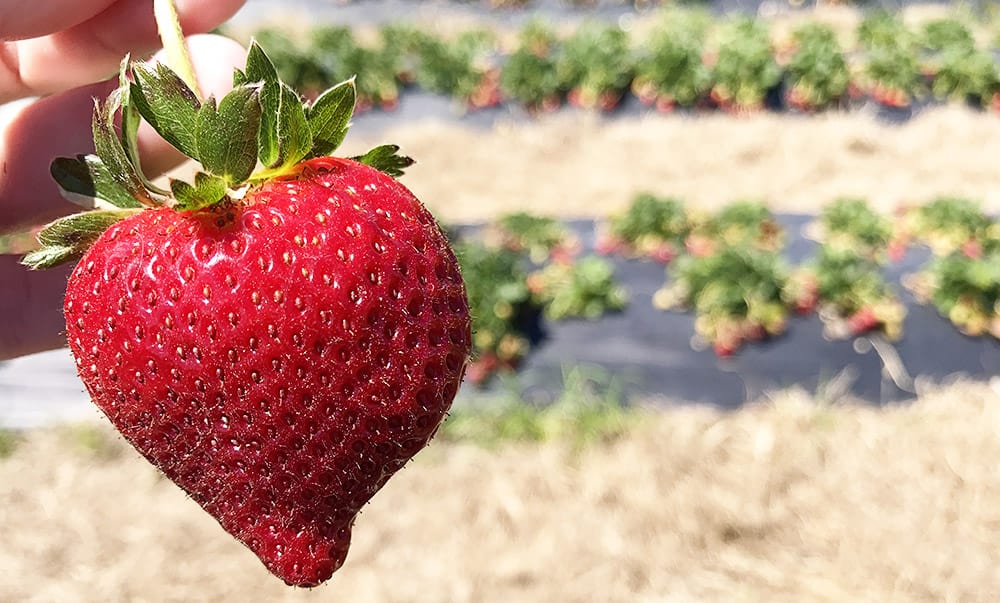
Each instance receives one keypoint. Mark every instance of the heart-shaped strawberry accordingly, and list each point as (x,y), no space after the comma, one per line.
(277,342)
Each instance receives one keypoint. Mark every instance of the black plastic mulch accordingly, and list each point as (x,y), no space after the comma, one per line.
(649,353)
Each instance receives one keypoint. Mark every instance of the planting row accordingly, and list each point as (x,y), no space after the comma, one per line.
(689,59)
(727,267)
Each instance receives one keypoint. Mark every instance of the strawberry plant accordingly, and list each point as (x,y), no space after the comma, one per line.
(943,34)
(965,75)
(460,68)
(891,71)
(500,304)
(881,28)
(947,224)
(542,238)
(595,66)
(530,75)
(853,296)
(818,73)
(278,335)
(584,289)
(374,69)
(736,294)
(669,69)
(745,69)
(851,224)
(651,227)
(964,289)
(743,223)
(401,43)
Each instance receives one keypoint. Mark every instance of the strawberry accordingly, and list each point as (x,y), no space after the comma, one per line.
(278,343)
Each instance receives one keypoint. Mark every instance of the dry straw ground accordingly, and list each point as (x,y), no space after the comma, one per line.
(786,500)
(789,500)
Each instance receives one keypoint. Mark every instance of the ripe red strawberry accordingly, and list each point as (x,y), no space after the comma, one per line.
(278,345)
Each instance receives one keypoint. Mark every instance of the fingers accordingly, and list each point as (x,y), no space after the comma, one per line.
(91,50)
(21,19)
(61,126)
(31,304)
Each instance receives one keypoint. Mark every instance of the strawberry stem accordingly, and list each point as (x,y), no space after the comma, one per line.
(178,58)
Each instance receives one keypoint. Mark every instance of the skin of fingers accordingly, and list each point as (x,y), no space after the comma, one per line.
(21,19)
(31,304)
(91,51)
(60,126)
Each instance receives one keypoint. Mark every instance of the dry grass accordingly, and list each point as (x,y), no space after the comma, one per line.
(580,165)
(784,501)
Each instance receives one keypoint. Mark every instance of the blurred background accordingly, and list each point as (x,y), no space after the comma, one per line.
(735,274)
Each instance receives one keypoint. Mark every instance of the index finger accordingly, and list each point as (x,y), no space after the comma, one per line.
(21,19)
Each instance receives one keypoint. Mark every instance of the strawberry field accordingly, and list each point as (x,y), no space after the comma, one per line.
(734,288)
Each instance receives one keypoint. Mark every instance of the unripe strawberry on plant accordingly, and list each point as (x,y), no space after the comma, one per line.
(277,340)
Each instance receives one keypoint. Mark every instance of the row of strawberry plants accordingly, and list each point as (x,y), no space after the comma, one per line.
(727,267)
(687,60)
(523,268)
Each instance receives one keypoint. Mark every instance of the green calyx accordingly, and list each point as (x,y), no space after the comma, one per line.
(261,129)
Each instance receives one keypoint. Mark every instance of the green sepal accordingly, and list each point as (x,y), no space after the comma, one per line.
(330,118)
(261,70)
(87,176)
(109,148)
(385,158)
(166,102)
(131,118)
(68,238)
(207,190)
(227,134)
(294,136)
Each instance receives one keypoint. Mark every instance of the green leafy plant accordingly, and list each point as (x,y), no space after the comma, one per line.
(583,289)
(669,66)
(651,227)
(401,43)
(542,238)
(963,288)
(818,72)
(530,75)
(851,224)
(9,441)
(882,28)
(745,69)
(966,75)
(460,68)
(596,66)
(946,33)
(742,223)
(891,70)
(736,293)
(947,224)
(374,69)
(853,295)
(500,304)
(590,409)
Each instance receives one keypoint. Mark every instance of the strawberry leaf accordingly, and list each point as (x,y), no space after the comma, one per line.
(227,134)
(207,190)
(87,176)
(109,149)
(385,158)
(166,102)
(67,238)
(260,69)
(330,118)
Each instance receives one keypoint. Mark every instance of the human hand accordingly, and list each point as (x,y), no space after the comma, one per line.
(64,51)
